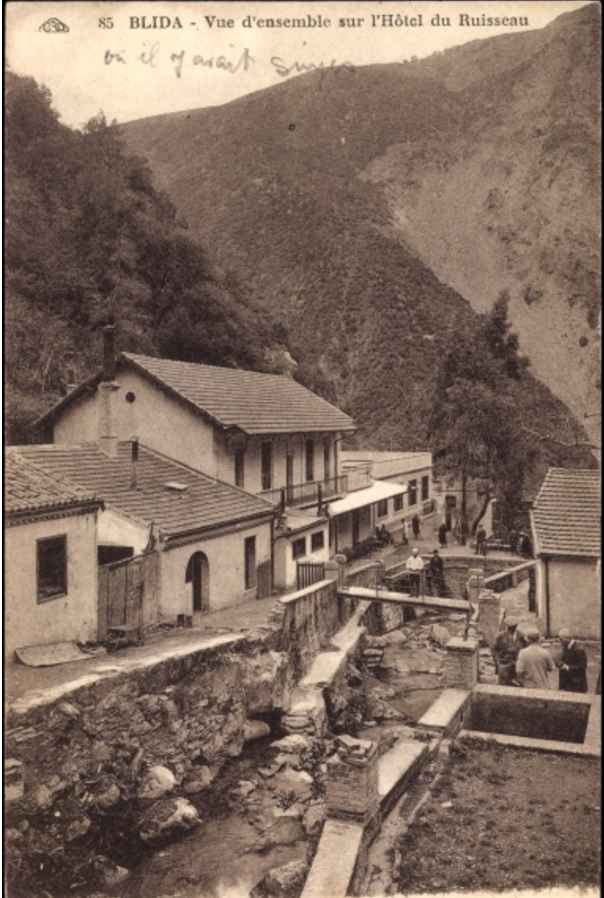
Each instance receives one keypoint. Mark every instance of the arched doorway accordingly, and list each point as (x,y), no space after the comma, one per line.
(198,575)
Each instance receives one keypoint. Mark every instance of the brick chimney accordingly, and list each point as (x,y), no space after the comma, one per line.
(106,389)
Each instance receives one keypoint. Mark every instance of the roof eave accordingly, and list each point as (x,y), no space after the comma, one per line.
(83,506)
(267,514)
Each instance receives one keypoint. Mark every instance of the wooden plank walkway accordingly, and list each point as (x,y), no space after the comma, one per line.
(404,598)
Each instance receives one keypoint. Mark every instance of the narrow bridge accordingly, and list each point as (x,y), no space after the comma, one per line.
(379,594)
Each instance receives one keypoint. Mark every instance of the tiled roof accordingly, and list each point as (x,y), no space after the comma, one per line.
(205,503)
(255,402)
(231,397)
(29,489)
(566,513)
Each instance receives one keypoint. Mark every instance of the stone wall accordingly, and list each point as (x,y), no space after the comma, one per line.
(79,758)
(457,569)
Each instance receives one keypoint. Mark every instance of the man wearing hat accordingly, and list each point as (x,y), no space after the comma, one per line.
(415,568)
(534,663)
(572,664)
(505,652)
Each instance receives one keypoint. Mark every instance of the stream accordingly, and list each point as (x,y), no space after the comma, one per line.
(242,837)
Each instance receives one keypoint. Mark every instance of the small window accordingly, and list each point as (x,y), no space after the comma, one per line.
(398,502)
(52,568)
(412,492)
(425,488)
(317,541)
(250,562)
(299,548)
(326,460)
(310,460)
(382,508)
(267,466)
(240,467)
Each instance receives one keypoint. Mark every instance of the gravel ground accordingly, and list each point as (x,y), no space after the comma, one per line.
(506,818)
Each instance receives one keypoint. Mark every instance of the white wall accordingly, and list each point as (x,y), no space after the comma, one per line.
(574,597)
(162,423)
(116,529)
(69,617)
(294,443)
(285,563)
(166,425)
(225,556)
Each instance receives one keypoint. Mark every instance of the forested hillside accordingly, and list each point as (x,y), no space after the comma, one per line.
(90,240)
(363,204)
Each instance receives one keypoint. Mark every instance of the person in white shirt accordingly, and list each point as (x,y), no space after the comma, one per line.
(415,567)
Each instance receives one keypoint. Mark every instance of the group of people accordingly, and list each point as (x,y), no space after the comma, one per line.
(434,571)
(520,542)
(520,660)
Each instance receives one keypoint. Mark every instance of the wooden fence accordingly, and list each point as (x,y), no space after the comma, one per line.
(128,593)
(309,572)
(264,579)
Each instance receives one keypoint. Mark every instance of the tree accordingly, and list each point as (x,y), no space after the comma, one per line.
(475,427)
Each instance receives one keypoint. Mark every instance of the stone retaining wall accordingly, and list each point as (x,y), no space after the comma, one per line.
(78,757)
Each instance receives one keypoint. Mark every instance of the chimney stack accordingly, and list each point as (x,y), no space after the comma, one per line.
(134,458)
(106,389)
(109,353)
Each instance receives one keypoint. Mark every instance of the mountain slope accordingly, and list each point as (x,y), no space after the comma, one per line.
(336,198)
(90,240)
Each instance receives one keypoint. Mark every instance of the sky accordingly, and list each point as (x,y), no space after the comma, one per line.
(133,72)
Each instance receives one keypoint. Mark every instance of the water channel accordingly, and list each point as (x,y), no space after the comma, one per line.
(242,837)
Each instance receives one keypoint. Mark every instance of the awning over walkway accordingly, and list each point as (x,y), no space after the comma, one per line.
(377,492)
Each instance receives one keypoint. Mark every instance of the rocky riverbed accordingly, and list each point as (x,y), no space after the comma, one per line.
(253,826)
(262,818)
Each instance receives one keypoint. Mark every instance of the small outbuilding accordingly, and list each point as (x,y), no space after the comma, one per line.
(565,523)
(50,550)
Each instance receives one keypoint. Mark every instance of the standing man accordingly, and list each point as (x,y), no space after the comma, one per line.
(415,569)
(436,571)
(416,524)
(481,538)
(505,653)
(442,534)
(534,663)
(573,664)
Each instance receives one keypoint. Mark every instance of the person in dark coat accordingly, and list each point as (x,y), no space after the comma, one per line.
(481,538)
(442,534)
(416,525)
(505,653)
(572,664)
(436,573)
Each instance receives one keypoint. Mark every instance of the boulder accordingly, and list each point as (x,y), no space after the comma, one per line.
(168,818)
(397,637)
(77,828)
(198,781)
(245,788)
(292,744)
(255,729)
(439,634)
(314,818)
(285,831)
(293,783)
(108,873)
(156,783)
(107,794)
(68,710)
(282,882)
